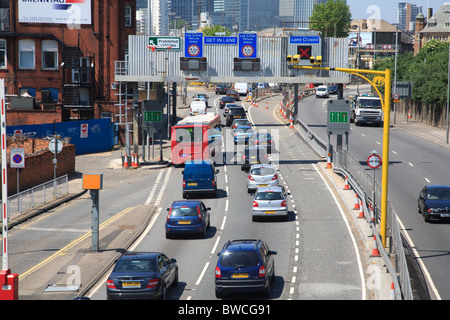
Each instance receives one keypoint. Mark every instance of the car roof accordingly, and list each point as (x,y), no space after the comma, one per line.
(140,255)
(242,244)
(262,165)
(186,203)
(270,188)
(194,163)
(438,186)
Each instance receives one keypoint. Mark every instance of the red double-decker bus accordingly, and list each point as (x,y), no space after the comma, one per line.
(196,138)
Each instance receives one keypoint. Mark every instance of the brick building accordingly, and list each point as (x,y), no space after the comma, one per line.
(435,27)
(58,59)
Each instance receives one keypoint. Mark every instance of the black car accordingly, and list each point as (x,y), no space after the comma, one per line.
(142,275)
(244,266)
(253,155)
(434,202)
(263,139)
(225,100)
(235,113)
(221,88)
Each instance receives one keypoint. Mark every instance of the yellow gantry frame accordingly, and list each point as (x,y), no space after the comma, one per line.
(386,107)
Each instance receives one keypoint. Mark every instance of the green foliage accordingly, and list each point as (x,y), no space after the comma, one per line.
(428,72)
(331,11)
(211,31)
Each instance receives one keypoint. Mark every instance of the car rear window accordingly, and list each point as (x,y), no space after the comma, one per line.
(237,111)
(239,258)
(143,265)
(262,171)
(269,195)
(243,130)
(198,173)
(184,211)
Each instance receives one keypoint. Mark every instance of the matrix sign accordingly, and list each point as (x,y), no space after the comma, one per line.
(338,121)
(152,116)
(341,117)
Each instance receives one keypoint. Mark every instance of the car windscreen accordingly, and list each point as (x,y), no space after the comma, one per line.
(321,89)
(139,265)
(262,171)
(239,259)
(268,195)
(438,194)
(184,211)
(370,103)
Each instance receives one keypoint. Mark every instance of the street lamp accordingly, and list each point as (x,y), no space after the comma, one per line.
(448,87)
(395,69)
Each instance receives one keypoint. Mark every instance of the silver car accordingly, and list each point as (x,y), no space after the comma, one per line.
(270,202)
(261,175)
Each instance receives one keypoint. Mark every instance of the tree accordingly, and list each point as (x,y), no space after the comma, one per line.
(211,31)
(334,17)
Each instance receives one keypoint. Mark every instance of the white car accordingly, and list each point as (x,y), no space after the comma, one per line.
(322,92)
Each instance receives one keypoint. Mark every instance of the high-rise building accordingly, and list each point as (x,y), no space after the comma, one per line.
(159,17)
(303,10)
(406,15)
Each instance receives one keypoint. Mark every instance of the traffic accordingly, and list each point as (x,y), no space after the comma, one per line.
(228,187)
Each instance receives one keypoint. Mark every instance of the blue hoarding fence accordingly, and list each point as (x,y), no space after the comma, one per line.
(88,136)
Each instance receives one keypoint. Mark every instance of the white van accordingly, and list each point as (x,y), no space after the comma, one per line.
(197,107)
(242,88)
(322,91)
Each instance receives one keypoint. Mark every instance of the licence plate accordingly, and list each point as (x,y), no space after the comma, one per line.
(192,184)
(237,117)
(445,215)
(184,222)
(129,284)
(263,185)
(270,212)
(239,275)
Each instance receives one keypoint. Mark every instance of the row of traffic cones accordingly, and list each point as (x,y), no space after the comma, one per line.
(134,161)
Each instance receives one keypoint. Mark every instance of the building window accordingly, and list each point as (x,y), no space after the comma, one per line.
(49,55)
(2,54)
(26,54)
(127,15)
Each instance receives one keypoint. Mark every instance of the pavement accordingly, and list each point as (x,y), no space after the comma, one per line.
(50,279)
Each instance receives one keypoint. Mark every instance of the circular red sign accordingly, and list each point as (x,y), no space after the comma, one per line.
(374,161)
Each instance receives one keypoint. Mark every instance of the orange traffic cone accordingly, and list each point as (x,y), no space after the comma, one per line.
(357,206)
(346,186)
(125,161)
(133,162)
(375,251)
(267,105)
(291,122)
(361,211)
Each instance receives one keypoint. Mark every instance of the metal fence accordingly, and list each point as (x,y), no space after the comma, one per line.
(369,191)
(24,201)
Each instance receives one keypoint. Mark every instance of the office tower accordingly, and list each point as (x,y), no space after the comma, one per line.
(406,15)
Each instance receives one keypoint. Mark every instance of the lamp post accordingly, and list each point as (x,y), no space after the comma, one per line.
(448,88)
(395,70)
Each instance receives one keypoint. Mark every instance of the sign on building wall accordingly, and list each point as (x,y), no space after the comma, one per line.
(71,12)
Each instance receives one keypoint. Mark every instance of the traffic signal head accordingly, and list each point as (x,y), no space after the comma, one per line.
(289,59)
(296,58)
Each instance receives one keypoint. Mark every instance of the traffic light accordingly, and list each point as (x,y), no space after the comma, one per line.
(316,60)
(289,59)
(296,58)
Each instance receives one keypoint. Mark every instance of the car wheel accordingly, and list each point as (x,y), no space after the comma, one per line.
(175,281)
(426,217)
(266,290)
(163,293)
(168,236)
(219,294)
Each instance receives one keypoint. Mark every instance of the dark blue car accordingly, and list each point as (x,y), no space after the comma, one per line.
(244,266)
(187,217)
(434,202)
(199,178)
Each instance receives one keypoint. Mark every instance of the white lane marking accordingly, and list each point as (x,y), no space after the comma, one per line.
(202,274)
(150,196)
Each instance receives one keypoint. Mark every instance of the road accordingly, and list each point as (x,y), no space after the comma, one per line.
(413,163)
(316,256)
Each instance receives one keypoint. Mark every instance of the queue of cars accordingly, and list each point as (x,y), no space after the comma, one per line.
(244,265)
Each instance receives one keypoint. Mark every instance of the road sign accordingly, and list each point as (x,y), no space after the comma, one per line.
(247,45)
(221,40)
(84,130)
(396,97)
(304,52)
(152,116)
(338,117)
(55,147)
(374,161)
(338,121)
(165,43)
(17,158)
(193,45)
(304,39)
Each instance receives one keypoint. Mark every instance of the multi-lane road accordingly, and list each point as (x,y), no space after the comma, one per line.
(317,256)
(413,163)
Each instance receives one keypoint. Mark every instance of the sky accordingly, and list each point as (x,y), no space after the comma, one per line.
(387,9)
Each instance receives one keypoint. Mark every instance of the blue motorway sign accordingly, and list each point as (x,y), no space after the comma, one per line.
(193,45)
(221,40)
(247,45)
(304,39)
